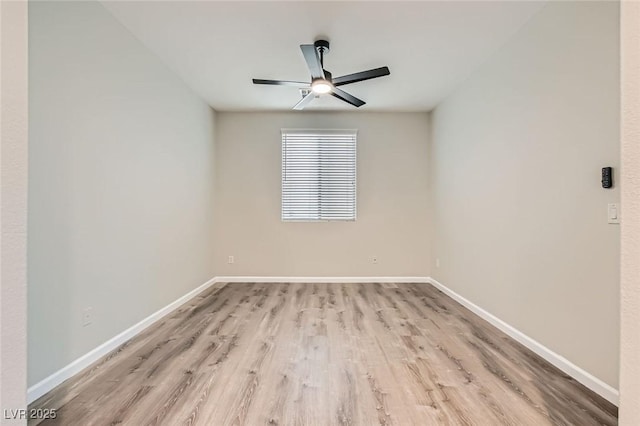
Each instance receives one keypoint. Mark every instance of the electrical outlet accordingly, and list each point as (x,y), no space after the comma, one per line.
(231,260)
(87,316)
(374,259)
(437,263)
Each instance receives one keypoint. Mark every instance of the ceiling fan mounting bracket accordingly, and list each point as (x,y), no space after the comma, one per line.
(322,46)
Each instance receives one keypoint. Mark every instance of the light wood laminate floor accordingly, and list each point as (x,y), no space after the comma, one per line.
(323,354)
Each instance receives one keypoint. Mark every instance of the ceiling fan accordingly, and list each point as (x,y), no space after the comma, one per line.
(321,80)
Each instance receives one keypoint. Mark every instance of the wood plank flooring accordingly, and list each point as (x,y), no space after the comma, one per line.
(323,354)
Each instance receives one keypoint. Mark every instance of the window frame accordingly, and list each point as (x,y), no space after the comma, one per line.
(350,132)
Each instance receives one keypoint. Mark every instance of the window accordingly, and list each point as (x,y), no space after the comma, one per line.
(318,175)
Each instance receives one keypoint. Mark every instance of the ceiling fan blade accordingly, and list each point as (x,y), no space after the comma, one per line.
(281,82)
(342,95)
(305,101)
(361,76)
(313,61)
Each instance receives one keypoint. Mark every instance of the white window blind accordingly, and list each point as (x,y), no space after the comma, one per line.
(318,175)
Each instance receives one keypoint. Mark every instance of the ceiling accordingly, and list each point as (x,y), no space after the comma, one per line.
(218,47)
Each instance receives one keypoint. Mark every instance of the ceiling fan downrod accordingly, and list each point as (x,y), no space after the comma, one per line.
(321,46)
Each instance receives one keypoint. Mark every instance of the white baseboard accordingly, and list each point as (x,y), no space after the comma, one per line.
(245,279)
(609,393)
(582,376)
(36,391)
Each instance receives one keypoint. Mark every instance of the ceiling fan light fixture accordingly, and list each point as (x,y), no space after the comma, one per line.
(320,87)
(322,82)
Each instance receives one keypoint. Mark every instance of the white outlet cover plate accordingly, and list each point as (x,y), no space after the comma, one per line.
(87,316)
(613,213)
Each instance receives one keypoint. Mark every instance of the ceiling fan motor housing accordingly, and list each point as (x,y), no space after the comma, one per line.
(327,76)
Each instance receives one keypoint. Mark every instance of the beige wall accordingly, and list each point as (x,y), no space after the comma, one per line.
(120,183)
(516,280)
(13,215)
(630,295)
(519,220)
(12,391)
(392,199)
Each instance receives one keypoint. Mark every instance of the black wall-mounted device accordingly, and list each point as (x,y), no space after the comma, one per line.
(607,177)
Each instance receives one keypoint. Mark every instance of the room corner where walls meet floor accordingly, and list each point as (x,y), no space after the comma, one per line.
(95,355)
